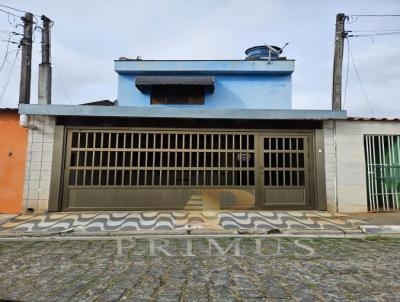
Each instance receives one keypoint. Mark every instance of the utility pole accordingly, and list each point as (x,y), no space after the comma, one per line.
(44,90)
(338,62)
(26,60)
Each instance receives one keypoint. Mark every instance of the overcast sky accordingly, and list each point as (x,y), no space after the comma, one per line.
(88,35)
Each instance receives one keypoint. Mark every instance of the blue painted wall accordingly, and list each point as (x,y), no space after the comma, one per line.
(250,87)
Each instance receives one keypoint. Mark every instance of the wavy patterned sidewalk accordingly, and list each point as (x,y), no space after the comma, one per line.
(168,221)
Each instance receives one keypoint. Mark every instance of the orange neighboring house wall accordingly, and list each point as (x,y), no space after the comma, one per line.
(13,142)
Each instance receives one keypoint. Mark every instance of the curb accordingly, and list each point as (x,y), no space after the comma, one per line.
(183,232)
(380,229)
(360,236)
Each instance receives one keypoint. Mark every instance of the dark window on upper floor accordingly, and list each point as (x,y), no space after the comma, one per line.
(177,94)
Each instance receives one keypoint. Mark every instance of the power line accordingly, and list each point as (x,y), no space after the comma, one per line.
(17,16)
(12,42)
(354,18)
(9,32)
(347,73)
(61,81)
(18,10)
(359,79)
(375,30)
(375,34)
(7,52)
(7,61)
(393,15)
(9,13)
(9,77)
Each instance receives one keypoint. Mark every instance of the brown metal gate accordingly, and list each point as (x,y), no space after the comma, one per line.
(285,171)
(132,169)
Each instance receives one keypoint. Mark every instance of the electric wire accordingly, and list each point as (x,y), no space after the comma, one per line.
(18,10)
(375,30)
(375,15)
(7,52)
(35,17)
(61,81)
(12,42)
(9,13)
(359,79)
(347,74)
(9,77)
(354,18)
(375,34)
(9,32)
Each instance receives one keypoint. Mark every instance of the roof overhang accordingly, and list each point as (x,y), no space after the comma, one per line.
(146,82)
(214,67)
(180,112)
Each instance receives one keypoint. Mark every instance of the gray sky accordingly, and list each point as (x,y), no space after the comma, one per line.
(88,35)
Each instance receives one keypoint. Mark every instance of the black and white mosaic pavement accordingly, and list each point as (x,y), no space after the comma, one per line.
(169,220)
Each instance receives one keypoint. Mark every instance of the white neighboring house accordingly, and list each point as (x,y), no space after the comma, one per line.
(362,164)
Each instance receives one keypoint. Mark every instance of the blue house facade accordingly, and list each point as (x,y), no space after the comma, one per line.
(190,135)
(235,84)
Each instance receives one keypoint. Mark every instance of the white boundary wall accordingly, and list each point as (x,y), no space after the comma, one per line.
(345,167)
(38,165)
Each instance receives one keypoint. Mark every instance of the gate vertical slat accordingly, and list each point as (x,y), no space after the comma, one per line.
(394,175)
(85,157)
(380,179)
(78,157)
(371,202)
(372,164)
(123,158)
(374,161)
(93,156)
(384,176)
(389,167)
(397,172)
(161,157)
(131,157)
(211,164)
(101,157)
(139,144)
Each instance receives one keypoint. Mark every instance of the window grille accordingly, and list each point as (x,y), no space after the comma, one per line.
(382,154)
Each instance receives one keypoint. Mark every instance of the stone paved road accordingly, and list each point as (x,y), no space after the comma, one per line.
(304,270)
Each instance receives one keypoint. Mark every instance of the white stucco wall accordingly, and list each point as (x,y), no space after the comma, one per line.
(330,165)
(345,161)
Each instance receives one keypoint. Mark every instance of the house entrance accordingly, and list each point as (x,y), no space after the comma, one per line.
(284,171)
(138,169)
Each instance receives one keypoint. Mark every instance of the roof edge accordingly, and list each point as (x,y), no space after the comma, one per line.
(204,67)
(184,113)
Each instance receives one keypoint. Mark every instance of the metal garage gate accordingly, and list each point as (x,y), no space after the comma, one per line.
(110,169)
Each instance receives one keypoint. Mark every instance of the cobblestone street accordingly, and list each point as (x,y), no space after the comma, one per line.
(278,269)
